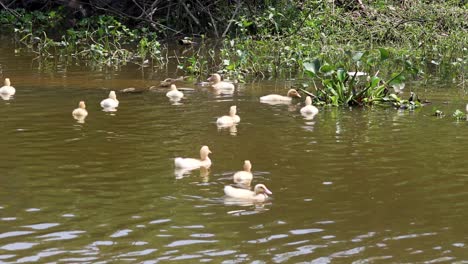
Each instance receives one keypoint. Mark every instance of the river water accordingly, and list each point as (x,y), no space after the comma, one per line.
(362,185)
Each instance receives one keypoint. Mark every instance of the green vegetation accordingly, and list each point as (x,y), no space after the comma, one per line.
(96,40)
(319,40)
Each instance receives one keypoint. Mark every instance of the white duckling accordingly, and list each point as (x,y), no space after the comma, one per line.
(80,112)
(229,120)
(280,98)
(245,176)
(217,84)
(7,89)
(309,109)
(174,94)
(259,194)
(190,163)
(111,102)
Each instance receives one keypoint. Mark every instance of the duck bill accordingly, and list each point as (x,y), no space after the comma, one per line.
(209,79)
(268,191)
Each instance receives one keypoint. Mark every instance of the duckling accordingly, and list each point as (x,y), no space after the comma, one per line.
(217,84)
(229,120)
(259,194)
(111,102)
(309,109)
(80,112)
(280,98)
(174,94)
(7,89)
(245,176)
(190,163)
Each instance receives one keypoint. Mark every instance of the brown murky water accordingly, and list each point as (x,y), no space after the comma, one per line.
(371,185)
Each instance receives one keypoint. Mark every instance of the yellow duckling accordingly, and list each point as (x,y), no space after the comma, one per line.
(80,112)
(174,94)
(217,84)
(244,177)
(280,98)
(309,109)
(111,102)
(259,194)
(7,89)
(190,163)
(229,120)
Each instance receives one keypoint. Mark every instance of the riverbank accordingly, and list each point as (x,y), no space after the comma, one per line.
(277,41)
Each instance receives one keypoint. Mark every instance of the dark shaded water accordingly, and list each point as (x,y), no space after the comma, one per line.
(353,185)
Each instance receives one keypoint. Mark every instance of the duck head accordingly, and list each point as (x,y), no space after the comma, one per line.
(204,151)
(247,166)
(7,82)
(261,189)
(215,78)
(112,95)
(82,105)
(233,110)
(293,93)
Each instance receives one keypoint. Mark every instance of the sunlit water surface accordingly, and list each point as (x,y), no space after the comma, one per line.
(357,185)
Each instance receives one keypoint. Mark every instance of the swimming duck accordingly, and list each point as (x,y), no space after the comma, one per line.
(245,176)
(7,89)
(80,112)
(280,98)
(110,102)
(259,194)
(309,109)
(174,94)
(217,84)
(229,120)
(168,81)
(189,163)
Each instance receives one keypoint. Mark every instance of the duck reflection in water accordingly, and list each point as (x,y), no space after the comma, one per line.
(232,129)
(181,173)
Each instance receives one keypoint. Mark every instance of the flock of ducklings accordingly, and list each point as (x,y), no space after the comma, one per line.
(243,179)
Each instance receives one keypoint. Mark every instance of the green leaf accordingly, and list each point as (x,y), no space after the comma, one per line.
(384,54)
(326,69)
(341,75)
(357,56)
(313,66)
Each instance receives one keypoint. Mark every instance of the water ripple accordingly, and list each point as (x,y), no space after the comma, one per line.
(189,242)
(18,246)
(64,235)
(15,233)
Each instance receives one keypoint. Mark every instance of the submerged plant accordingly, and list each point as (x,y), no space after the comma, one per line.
(459,115)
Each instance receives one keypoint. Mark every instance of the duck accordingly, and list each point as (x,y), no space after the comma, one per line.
(110,102)
(7,89)
(259,194)
(309,109)
(174,94)
(190,163)
(229,120)
(168,81)
(280,98)
(80,112)
(217,84)
(245,176)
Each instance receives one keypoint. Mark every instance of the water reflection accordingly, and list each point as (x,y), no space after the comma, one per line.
(204,173)
(232,129)
(6,97)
